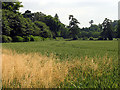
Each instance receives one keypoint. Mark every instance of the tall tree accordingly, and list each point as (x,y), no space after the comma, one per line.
(56,16)
(44,30)
(91,22)
(38,16)
(53,24)
(15,24)
(12,6)
(73,27)
(107,29)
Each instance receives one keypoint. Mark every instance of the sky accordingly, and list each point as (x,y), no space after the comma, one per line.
(82,10)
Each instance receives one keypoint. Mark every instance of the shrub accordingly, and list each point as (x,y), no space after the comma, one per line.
(59,38)
(38,38)
(6,39)
(18,39)
(75,38)
(31,38)
(85,38)
(46,38)
(9,39)
(105,39)
(91,38)
(26,38)
(100,38)
(118,39)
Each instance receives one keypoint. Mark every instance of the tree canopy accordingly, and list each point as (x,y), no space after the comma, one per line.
(16,25)
(12,6)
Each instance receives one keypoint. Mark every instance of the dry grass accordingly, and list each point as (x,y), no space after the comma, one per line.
(37,71)
(31,70)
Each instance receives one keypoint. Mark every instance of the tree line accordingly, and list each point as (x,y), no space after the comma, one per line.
(29,26)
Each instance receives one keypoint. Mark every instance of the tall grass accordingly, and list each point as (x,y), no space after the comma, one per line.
(31,70)
(34,70)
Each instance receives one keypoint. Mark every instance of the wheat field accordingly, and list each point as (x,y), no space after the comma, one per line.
(34,70)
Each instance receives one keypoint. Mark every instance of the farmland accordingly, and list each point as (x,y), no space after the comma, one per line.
(62,64)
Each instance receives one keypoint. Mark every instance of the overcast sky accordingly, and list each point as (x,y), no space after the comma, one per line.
(83,10)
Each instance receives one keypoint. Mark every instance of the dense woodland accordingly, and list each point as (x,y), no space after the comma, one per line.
(27,26)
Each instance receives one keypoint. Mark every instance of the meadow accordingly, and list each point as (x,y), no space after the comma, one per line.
(60,64)
(66,49)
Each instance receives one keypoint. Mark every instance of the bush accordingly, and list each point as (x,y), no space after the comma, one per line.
(18,39)
(9,39)
(6,39)
(38,38)
(26,38)
(85,38)
(59,38)
(100,38)
(105,39)
(31,38)
(91,38)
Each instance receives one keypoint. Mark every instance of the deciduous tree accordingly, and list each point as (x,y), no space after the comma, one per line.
(107,29)
(73,27)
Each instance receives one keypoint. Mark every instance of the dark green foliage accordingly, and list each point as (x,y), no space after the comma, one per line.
(46,26)
(91,22)
(118,29)
(44,30)
(74,32)
(54,25)
(38,38)
(28,14)
(9,39)
(5,26)
(18,39)
(31,38)
(59,38)
(104,38)
(38,16)
(107,29)
(12,6)
(73,27)
(100,38)
(91,38)
(64,31)
(56,16)
(26,38)
(17,25)
(114,28)
(6,39)
(92,31)
(85,38)
(95,34)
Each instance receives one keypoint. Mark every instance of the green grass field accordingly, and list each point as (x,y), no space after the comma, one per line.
(95,63)
(65,49)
